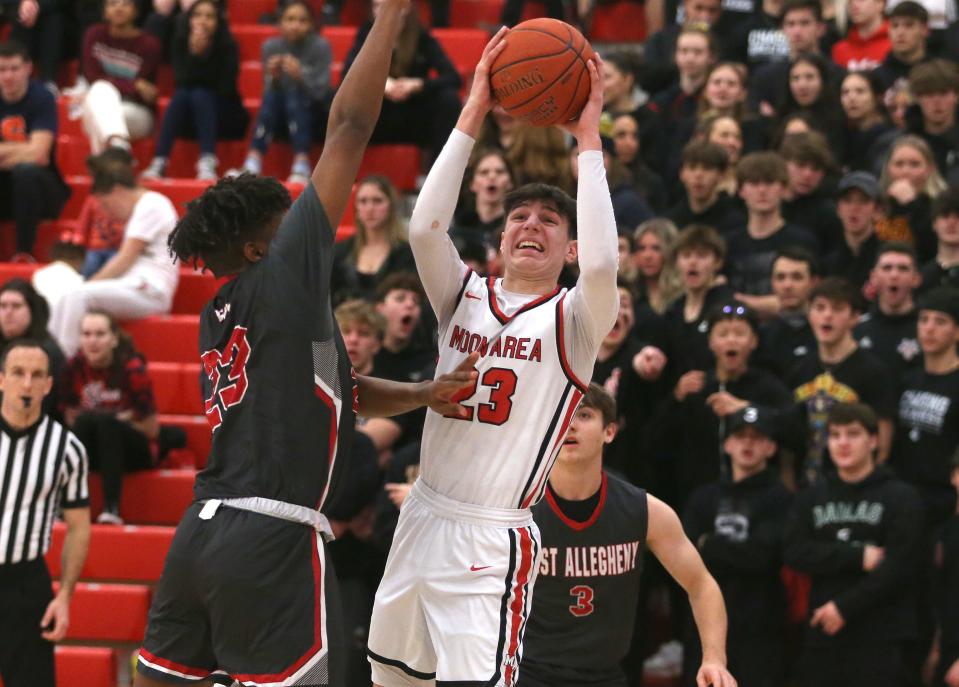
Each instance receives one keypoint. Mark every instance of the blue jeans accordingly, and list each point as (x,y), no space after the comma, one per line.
(95,259)
(203,114)
(289,109)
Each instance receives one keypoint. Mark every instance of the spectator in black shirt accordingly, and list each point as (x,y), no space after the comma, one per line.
(620,97)
(787,337)
(696,50)
(490,179)
(726,132)
(659,50)
(935,84)
(697,257)
(630,147)
(807,89)
(945,656)
(928,432)
(702,171)
(759,38)
(803,27)
(737,525)
(888,329)
(943,270)
(421,100)
(908,34)
(690,425)
(838,371)
(910,181)
(809,195)
(857,205)
(855,535)
(751,249)
(868,129)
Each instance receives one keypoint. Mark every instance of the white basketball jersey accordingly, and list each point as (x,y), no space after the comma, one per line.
(520,408)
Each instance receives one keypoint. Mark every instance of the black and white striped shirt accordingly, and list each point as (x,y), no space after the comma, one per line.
(41,467)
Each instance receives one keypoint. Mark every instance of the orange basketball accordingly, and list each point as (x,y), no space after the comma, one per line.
(541,76)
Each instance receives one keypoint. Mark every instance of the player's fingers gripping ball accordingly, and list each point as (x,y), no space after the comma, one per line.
(541,76)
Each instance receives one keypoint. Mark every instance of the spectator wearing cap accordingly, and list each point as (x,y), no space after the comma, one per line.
(943,270)
(857,206)
(945,653)
(689,426)
(908,35)
(888,328)
(629,208)
(855,534)
(787,337)
(737,526)
(928,419)
(867,42)
(935,85)
(808,201)
(837,371)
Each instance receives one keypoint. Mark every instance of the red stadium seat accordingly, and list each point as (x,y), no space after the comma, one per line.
(194,290)
(176,387)
(166,338)
(85,666)
(108,612)
(150,497)
(131,553)
(623,21)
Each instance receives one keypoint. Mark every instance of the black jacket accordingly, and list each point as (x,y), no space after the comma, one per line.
(828,526)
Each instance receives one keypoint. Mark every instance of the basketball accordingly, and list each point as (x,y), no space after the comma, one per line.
(541,75)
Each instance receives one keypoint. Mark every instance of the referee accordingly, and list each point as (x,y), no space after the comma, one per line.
(42,467)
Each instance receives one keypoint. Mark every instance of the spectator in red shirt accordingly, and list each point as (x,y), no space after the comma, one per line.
(867,43)
(99,233)
(107,400)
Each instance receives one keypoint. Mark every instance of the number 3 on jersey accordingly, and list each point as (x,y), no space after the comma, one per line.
(583,594)
(502,385)
(227,373)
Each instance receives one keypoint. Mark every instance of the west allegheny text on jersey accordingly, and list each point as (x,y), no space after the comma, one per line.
(502,347)
(589,561)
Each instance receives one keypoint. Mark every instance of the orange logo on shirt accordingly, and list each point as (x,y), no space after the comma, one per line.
(13,129)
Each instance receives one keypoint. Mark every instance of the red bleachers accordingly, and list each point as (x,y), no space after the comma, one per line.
(176,387)
(132,553)
(198,437)
(85,666)
(166,338)
(151,497)
(127,604)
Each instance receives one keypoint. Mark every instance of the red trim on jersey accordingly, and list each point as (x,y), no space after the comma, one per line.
(572,524)
(317,628)
(198,673)
(561,344)
(334,428)
(518,603)
(573,405)
(466,280)
(503,317)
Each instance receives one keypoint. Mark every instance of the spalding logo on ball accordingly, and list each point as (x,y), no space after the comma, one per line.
(541,75)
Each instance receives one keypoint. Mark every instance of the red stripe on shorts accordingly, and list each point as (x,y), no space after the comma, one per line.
(517,604)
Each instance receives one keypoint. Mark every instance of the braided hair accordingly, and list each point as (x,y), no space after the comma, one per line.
(229,213)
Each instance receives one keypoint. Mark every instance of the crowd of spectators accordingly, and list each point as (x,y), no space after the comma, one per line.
(785,177)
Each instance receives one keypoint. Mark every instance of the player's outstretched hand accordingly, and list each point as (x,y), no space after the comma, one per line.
(446,391)
(714,674)
(480,97)
(585,128)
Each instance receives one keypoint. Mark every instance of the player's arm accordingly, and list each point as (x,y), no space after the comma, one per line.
(595,302)
(440,268)
(668,542)
(355,110)
(385,398)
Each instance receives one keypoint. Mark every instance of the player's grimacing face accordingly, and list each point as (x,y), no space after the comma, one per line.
(586,437)
(536,241)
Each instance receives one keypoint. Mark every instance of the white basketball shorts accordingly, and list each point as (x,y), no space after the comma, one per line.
(453,603)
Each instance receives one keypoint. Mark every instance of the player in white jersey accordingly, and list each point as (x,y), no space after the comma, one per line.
(453,602)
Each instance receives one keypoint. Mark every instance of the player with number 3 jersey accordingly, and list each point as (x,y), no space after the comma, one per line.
(454,600)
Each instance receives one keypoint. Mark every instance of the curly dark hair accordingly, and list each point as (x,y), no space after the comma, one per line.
(231,211)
